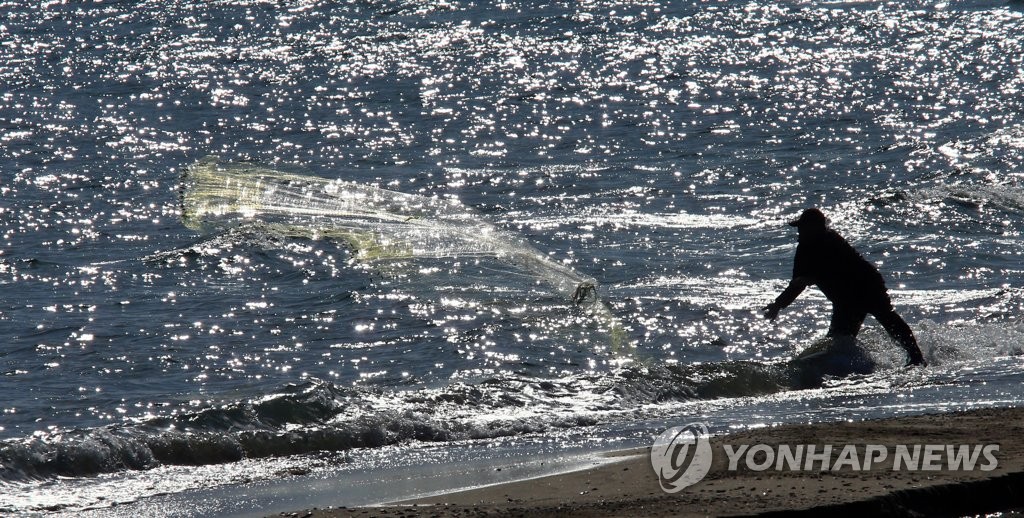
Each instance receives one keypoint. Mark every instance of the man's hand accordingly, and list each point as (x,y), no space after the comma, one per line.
(771,311)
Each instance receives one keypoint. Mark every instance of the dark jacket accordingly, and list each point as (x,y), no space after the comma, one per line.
(828,261)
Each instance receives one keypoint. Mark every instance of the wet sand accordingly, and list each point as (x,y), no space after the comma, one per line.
(626,485)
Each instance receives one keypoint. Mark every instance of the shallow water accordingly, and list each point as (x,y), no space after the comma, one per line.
(656,147)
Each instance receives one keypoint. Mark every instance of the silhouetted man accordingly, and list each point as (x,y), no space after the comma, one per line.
(853,285)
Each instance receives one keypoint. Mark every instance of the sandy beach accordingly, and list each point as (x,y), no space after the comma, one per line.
(626,484)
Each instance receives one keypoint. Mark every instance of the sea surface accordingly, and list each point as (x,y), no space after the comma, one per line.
(656,147)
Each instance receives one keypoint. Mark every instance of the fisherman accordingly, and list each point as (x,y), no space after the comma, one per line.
(853,285)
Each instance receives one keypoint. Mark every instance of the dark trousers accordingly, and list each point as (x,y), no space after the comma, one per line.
(847,321)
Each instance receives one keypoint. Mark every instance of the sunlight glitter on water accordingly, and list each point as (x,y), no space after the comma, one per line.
(657,147)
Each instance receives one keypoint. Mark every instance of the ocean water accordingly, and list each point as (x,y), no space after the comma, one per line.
(655,147)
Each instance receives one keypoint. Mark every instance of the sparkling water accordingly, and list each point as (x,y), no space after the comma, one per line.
(655,147)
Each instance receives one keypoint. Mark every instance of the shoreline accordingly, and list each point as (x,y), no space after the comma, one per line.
(624,483)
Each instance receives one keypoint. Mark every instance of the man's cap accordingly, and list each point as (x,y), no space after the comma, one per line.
(810,218)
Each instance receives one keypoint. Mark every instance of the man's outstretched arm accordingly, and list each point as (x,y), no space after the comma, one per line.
(795,288)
